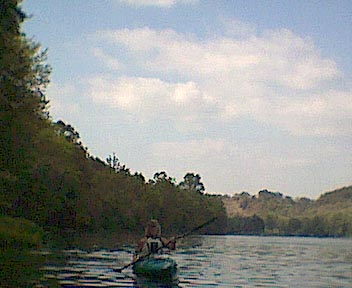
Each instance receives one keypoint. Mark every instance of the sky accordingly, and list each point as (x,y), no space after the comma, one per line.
(250,95)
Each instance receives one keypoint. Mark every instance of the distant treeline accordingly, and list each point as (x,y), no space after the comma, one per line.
(271,213)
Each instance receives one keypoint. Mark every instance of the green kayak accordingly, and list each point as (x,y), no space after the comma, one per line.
(156,268)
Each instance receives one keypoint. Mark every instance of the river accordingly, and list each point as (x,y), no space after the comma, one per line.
(216,261)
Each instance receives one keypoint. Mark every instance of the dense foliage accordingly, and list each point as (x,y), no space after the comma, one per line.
(330,215)
(47,175)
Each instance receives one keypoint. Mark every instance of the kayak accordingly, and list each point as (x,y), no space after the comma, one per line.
(157,268)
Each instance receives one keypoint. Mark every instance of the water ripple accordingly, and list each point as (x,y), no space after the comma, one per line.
(218,261)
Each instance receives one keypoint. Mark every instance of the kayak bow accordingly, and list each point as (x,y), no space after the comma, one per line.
(156,268)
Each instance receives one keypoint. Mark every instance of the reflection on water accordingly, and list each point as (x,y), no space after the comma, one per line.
(217,261)
(19,267)
(90,269)
(268,262)
(78,268)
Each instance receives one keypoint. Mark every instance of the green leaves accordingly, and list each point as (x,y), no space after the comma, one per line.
(192,183)
(18,232)
(48,177)
(330,215)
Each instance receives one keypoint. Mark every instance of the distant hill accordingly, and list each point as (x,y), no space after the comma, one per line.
(337,196)
(330,215)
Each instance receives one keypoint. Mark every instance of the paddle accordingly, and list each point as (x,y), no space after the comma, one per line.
(119,270)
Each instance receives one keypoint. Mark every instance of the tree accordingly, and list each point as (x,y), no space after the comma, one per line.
(113,162)
(23,80)
(192,183)
(116,165)
(24,75)
(293,227)
(45,177)
(162,177)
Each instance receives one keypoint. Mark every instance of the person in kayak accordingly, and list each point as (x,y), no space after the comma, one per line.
(152,242)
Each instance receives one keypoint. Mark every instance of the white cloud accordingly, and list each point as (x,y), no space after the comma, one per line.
(156,3)
(278,56)
(276,78)
(147,98)
(324,113)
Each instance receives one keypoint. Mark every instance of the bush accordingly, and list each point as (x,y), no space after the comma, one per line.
(20,233)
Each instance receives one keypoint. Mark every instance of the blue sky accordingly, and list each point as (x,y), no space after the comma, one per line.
(249,94)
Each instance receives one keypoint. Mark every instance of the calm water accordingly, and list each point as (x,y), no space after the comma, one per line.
(218,261)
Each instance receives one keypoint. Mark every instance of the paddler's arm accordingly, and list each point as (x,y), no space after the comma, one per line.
(141,244)
(139,249)
(169,243)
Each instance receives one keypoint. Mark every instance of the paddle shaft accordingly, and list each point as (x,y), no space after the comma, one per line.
(196,229)
(177,237)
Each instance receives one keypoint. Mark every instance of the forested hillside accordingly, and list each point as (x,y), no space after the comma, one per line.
(275,214)
(49,181)
(51,187)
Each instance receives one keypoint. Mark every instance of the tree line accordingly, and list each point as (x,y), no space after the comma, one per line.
(271,213)
(47,175)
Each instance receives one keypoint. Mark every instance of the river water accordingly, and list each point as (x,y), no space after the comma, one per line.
(217,261)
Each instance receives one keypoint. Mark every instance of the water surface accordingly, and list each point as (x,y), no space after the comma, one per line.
(217,261)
